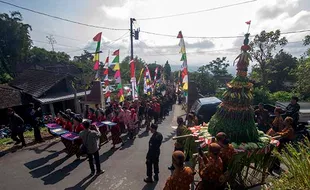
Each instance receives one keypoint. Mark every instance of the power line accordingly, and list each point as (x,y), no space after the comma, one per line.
(39,41)
(195,12)
(219,37)
(60,18)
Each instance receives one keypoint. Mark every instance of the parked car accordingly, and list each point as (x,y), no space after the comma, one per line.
(205,108)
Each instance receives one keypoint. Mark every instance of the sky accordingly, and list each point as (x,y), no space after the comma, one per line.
(269,15)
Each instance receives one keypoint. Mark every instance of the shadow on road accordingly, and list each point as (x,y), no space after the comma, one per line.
(39,151)
(82,185)
(60,174)
(127,144)
(168,137)
(105,156)
(144,134)
(44,170)
(41,161)
(150,186)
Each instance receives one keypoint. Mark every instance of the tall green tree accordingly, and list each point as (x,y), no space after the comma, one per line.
(167,71)
(206,82)
(42,56)
(280,70)
(302,73)
(264,45)
(218,67)
(15,43)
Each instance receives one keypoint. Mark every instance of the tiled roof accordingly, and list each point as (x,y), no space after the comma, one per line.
(36,82)
(10,97)
(61,97)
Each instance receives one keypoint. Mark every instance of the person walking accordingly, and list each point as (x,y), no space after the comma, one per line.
(16,126)
(91,137)
(152,157)
(34,116)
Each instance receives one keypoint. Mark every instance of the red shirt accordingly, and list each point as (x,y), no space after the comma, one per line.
(156,107)
(92,117)
(58,121)
(79,128)
(101,118)
(67,125)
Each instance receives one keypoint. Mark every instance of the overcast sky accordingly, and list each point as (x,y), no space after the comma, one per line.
(286,15)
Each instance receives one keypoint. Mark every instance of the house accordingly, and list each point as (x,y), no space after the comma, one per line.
(53,91)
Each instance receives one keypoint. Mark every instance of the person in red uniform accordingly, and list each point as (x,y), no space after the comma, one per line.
(182,176)
(92,115)
(59,119)
(210,168)
(132,124)
(73,147)
(227,150)
(67,125)
(103,130)
(116,133)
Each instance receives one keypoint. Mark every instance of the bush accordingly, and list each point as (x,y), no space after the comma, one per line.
(282,96)
(297,160)
(261,95)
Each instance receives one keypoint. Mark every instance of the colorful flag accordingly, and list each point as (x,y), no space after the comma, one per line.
(97,39)
(248,22)
(116,53)
(184,69)
(117,76)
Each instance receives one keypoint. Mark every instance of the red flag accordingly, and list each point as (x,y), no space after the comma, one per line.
(96,66)
(132,68)
(106,72)
(97,38)
(180,35)
(107,94)
(248,22)
(116,53)
(107,60)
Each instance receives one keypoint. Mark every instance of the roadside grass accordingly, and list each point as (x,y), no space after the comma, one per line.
(27,135)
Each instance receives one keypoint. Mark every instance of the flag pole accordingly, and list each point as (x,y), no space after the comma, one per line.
(249,28)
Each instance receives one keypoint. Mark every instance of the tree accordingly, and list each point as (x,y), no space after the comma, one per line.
(306,41)
(218,67)
(125,69)
(206,83)
(167,71)
(15,43)
(280,70)
(263,47)
(42,56)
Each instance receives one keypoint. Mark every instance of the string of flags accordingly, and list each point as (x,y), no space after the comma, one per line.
(117,76)
(106,80)
(147,81)
(184,69)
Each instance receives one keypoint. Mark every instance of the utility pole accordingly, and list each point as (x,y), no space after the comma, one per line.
(51,40)
(131,38)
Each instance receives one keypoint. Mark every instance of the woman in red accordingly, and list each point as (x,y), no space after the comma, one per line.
(66,124)
(92,115)
(116,132)
(132,124)
(103,129)
(59,119)
(73,147)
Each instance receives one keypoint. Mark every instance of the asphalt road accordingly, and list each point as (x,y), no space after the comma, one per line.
(46,167)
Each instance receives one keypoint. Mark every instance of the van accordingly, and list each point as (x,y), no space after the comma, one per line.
(205,108)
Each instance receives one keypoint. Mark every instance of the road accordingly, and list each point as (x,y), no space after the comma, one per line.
(46,167)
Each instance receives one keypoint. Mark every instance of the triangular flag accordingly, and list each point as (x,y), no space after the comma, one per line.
(106,78)
(107,94)
(117,74)
(185,79)
(97,38)
(96,66)
(121,99)
(116,59)
(116,67)
(248,22)
(106,72)
(116,53)
(118,80)
(107,60)
(180,35)
(183,57)
(119,86)
(108,99)
(182,50)
(185,86)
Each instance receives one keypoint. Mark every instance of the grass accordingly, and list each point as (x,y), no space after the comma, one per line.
(297,160)
(27,135)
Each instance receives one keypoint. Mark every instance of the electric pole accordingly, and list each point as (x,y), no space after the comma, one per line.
(131,38)
(51,40)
